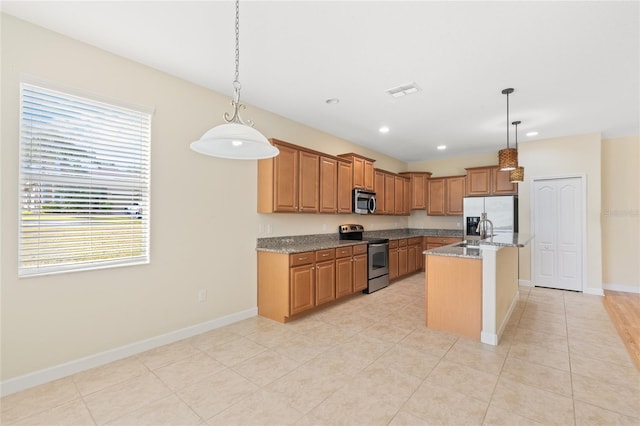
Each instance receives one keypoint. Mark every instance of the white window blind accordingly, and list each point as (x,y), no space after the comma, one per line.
(84,183)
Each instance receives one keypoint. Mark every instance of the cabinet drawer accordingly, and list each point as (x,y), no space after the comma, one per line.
(344,251)
(360,249)
(413,241)
(402,242)
(327,254)
(443,240)
(393,244)
(301,258)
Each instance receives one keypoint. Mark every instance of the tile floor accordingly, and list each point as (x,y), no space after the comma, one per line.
(368,361)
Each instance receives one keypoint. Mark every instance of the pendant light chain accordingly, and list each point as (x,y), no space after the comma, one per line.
(237,80)
(508,120)
(235,102)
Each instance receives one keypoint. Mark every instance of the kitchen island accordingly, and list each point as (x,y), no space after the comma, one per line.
(472,287)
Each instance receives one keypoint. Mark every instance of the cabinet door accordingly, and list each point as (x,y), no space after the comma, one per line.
(389,194)
(328,185)
(368,175)
(393,263)
(378,187)
(345,179)
(436,204)
(501,183)
(455,195)
(402,261)
(302,290)
(360,272)
(406,196)
(411,258)
(398,188)
(344,276)
(285,180)
(358,172)
(309,182)
(325,282)
(418,192)
(479,181)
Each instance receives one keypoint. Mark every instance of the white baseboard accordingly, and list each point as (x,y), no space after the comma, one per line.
(621,287)
(36,378)
(525,283)
(594,291)
(494,339)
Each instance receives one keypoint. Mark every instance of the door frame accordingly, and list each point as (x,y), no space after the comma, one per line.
(583,188)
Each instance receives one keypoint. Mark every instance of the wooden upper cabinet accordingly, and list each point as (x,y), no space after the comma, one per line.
(389,194)
(345,185)
(445,196)
(455,195)
(328,185)
(489,180)
(362,170)
(406,196)
(436,205)
(278,181)
(378,187)
(418,184)
(309,178)
(398,189)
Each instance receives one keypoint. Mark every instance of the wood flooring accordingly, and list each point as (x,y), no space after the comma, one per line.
(624,310)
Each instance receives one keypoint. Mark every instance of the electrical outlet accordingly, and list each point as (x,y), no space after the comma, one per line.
(324,227)
(202,295)
(269,228)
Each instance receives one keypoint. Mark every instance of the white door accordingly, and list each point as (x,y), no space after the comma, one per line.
(558,225)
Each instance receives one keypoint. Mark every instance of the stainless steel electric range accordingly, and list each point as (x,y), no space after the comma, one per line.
(378,255)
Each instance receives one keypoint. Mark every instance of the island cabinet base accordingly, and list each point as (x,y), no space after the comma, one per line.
(454,295)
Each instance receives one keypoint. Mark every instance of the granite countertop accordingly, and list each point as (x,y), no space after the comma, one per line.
(500,240)
(302,243)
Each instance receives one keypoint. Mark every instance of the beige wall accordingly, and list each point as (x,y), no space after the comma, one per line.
(204,223)
(203,217)
(621,213)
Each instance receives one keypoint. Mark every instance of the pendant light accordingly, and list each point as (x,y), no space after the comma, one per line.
(516,175)
(236,139)
(508,157)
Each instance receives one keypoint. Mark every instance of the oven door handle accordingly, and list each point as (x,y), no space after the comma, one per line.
(379,245)
(371,205)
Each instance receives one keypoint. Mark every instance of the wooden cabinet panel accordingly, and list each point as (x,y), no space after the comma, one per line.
(389,194)
(358,172)
(437,204)
(302,290)
(325,282)
(344,276)
(455,195)
(285,179)
(345,186)
(398,188)
(417,189)
(360,272)
(502,185)
(393,262)
(309,182)
(478,181)
(406,197)
(402,261)
(378,187)
(411,258)
(368,175)
(344,252)
(489,180)
(360,249)
(328,185)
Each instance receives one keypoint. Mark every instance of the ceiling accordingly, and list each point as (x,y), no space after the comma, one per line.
(574,65)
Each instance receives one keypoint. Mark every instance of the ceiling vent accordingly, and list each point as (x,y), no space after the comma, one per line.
(404,90)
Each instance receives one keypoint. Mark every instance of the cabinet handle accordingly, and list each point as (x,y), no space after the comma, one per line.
(302,258)
(325,255)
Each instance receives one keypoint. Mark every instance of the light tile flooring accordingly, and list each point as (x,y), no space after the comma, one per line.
(368,361)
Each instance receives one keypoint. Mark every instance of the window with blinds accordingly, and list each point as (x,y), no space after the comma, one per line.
(84,183)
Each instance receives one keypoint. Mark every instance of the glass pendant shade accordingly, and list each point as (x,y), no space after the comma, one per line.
(508,159)
(516,175)
(235,141)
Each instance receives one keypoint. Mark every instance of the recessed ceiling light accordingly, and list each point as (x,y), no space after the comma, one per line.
(532,134)
(441,147)
(333,101)
(384,129)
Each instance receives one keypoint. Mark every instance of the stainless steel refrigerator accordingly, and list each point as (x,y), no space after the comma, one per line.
(502,211)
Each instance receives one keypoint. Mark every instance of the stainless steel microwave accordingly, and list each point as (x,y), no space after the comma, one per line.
(364,202)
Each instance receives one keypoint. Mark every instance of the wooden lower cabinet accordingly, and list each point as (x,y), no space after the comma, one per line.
(435,242)
(289,285)
(302,290)
(393,260)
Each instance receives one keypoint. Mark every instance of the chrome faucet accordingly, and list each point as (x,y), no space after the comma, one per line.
(485,227)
